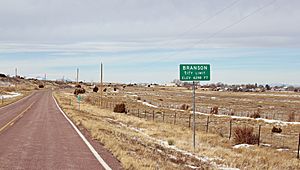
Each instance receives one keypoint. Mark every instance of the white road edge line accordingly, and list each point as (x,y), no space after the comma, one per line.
(95,153)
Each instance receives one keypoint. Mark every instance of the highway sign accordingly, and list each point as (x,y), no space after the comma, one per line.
(79,98)
(194,72)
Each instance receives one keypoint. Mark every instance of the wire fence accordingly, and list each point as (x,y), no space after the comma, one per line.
(286,141)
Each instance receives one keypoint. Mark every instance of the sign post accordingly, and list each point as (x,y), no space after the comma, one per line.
(78,99)
(194,72)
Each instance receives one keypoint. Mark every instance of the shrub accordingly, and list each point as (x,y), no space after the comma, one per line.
(79,91)
(276,130)
(41,86)
(95,89)
(120,108)
(171,142)
(184,107)
(244,135)
(291,117)
(2,75)
(139,98)
(256,114)
(78,86)
(104,90)
(160,99)
(214,110)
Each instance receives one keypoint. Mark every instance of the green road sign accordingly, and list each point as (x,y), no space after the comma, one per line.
(194,72)
(78,98)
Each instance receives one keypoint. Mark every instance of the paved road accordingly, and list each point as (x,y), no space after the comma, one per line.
(35,135)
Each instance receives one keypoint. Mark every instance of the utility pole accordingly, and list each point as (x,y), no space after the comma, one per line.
(45,78)
(77,75)
(101,84)
(16,72)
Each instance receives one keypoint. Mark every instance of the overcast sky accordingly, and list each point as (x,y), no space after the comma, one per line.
(245,41)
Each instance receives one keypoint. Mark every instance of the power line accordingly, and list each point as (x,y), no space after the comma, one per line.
(203,22)
(219,31)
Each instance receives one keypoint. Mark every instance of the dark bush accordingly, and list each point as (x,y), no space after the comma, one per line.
(79,91)
(139,98)
(104,90)
(2,75)
(256,114)
(41,86)
(214,110)
(276,130)
(78,86)
(244,135)
(120,108)
(184,107)
(95,89)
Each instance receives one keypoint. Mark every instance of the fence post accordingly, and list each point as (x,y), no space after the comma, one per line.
(190,120)
(259,128)
(207,122)
(138,113)
(163,114)
(145,114)
(153,115)
(298,155)
(175,118)
(230,128)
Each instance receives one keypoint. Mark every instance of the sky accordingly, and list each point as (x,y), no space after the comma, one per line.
(255,41)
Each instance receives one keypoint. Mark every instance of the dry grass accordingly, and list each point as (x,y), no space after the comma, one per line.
(134,142)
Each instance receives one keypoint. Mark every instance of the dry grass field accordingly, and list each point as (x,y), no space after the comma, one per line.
(156,133)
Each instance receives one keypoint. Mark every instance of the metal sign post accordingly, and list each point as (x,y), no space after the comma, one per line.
(194,116)
(79,99)
(194,72)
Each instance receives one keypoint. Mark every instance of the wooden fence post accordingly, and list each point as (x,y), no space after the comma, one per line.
(230,128)
(190,120)
(175,118)
(163,116)
(207,122)
(145,114)
(298,155)
(153,115)
(259,128)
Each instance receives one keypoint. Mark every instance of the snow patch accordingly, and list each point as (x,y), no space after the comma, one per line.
(147,104)
(282,150)
(242,146)
(10,95)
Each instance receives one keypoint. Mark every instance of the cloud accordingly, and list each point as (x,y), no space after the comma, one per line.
(49,35)
(60,22)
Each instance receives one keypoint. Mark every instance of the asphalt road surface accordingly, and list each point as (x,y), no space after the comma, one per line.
(34,134)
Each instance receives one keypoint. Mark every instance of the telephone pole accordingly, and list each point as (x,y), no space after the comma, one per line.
(101,84)
(77,75)
(16,72)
